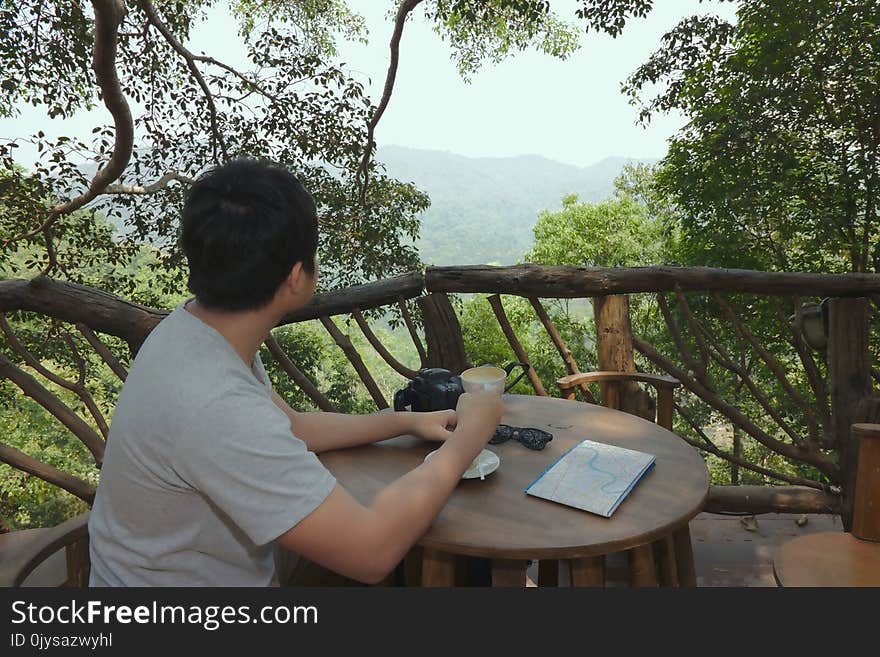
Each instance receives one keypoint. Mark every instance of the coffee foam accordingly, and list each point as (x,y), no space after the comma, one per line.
(484,375)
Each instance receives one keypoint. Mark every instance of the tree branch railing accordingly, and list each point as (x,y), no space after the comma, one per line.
(782,419)
(786,418)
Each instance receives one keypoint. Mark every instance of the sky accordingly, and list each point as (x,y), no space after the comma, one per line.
(570,111)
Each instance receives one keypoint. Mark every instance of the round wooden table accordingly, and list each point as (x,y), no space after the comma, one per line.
(828,559)
(496,519)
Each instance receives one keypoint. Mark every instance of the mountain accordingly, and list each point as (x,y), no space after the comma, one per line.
(483,208)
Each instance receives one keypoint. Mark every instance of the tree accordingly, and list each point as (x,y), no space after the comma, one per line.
(777,166)
(104,210)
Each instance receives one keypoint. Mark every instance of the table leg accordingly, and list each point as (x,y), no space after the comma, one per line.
(509,572)
(548,572)
(78,563)
(664,553)
(588,571)
(684,557)
(642,569)
(412,566)
(438,568)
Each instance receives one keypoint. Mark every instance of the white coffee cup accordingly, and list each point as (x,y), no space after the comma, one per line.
(484,378)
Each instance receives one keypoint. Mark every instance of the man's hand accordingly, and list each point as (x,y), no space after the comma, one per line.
(434,425)
(481,411)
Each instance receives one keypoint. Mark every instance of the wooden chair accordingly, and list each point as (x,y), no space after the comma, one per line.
(671,556)
(664,385)
(22,551)
(842,558)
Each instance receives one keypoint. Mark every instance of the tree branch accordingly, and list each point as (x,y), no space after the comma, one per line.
(226,67)
(108,16)
(298,377)
(147,7)
(33,389)
(152,187)
(411,327)
(712,448)
(78,387)
(772,363)
(344,343)
(817,382)
(406,6)
(102,350)
(71,484)
(371,337)
(699,369)
(807,454)
(721,356)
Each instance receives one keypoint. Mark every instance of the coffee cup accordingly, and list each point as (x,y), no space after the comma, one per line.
(489,378)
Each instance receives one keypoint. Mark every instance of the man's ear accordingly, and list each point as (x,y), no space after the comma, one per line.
(294,278)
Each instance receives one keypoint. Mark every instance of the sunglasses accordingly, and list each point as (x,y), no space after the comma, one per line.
(532,438)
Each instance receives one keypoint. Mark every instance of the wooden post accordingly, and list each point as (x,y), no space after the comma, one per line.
(849,375)
(614,344)
(443,333)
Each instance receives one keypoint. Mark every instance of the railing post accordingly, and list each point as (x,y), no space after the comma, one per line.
(849,375)
(614,346)
(442,333)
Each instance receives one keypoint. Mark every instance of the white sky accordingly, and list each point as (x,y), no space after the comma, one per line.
(571,111)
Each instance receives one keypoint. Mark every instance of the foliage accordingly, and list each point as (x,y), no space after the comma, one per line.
(25,500)
(615,233)
(485,343)
(492,30)
(291,106)
(777,166)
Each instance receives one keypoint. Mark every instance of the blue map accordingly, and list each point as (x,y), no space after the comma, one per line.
(592,476)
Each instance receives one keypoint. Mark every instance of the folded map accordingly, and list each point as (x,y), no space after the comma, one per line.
(592,476)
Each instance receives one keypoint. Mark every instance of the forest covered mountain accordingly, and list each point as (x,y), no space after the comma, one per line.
(483,209)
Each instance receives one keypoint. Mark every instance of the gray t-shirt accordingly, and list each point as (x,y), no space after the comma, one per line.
(202,472)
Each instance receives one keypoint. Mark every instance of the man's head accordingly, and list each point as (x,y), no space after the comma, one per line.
(246,226)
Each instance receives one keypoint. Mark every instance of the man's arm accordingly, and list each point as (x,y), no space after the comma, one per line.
(322,432)
(366,543)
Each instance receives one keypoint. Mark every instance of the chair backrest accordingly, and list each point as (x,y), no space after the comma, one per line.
(22,552)
(664,385)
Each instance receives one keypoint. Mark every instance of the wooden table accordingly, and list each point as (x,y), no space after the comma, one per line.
(496,519)
(828,559)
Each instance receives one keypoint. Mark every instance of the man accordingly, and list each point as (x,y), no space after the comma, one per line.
(206,468)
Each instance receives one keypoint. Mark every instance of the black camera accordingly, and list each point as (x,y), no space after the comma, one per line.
(434,389)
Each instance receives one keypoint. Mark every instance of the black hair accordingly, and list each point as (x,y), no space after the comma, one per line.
(245,225)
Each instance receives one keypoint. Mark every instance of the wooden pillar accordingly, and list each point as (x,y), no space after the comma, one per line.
(614,346)
(443,333)
(849,375)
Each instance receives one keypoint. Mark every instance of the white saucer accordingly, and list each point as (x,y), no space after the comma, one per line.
(487,458)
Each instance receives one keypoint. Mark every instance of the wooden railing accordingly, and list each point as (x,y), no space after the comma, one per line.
(820,400)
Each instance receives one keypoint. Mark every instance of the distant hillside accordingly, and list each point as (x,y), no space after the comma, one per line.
(483,209)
